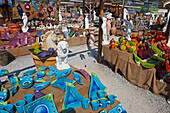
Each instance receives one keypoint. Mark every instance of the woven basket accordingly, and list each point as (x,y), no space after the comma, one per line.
(47,62)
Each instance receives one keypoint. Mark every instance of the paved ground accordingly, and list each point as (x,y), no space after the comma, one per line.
(133,98)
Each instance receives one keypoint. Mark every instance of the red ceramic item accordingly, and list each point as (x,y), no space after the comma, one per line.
(28,14)
(27,7)
(40,14)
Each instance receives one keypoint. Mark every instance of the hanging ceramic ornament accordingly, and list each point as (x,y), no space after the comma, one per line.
(39,14)
(49,9)
(27,7)
(40,7)
(20,10)
(28,14)
(36,7)
(32,12)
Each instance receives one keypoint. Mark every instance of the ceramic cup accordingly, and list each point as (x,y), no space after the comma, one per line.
(28,98)
(111,99)
(103,102)
(9,108)
(95,105)
(19,106)
(85,103)
(101,93)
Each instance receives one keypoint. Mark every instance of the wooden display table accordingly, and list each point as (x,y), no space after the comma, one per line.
(59,94)
(20,51)
(142,77)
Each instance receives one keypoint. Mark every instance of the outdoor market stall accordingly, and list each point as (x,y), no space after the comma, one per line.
(59,94)
(138,75)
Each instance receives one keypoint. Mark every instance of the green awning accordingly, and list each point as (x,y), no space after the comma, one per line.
(156,12)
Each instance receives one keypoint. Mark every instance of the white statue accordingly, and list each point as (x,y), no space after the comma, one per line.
(164,29)
(125,13)
(25,20)
(104,28)
(60,16)
(129,29)
(62,55)
(81,11)
(86,22)
(48,40)
(84,34)
(151,21)
(94,15)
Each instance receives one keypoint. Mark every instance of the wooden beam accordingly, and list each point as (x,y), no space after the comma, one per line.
(84,11)
(123,7)
(100,32)
(151,11)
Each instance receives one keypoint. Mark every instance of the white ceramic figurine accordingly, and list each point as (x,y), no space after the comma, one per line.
(25,20)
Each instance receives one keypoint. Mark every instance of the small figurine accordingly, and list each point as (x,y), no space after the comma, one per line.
(48,40)
(25,20)
(60,16)
(108,23)
(125,14)
(86,22)
(113,29)
(94,15)
(104,31)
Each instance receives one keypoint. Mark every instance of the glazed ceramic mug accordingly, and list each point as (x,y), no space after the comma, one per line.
(104,102)
(9,108)
(85,103)
(28,98)
(112,99)
(95,105)
(19,106)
